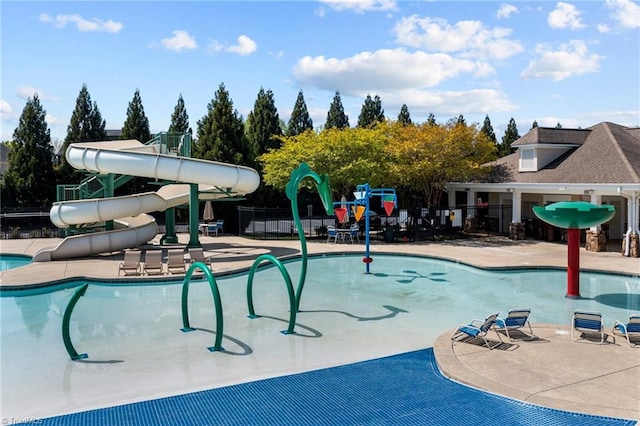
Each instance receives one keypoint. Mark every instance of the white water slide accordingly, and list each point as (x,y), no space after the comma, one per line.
(133,226)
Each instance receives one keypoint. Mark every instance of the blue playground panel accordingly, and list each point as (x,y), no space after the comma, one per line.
(405,389)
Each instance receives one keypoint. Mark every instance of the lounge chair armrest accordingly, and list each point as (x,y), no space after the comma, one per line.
(475,323)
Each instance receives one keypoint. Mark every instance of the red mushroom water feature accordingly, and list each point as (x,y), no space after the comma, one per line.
(573,216)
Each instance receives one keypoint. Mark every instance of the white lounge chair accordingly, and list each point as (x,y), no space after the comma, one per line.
(197,255)
(175,261)
(131,263)
(153,264)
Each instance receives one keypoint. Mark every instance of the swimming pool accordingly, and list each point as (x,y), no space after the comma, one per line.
(10,261)
(137,352)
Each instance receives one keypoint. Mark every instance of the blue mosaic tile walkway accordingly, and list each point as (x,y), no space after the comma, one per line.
(405,389)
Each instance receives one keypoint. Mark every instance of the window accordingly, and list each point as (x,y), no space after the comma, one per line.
(527,160)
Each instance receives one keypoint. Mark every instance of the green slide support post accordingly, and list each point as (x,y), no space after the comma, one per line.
(109,191)
(324,190)
(194,240)
(217,304)
(66,318)
(287,279)
(169,236)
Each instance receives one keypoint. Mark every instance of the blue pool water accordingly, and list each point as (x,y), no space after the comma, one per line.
(133,330)
(10,261)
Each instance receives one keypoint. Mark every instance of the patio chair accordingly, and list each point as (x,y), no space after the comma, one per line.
(175,261)
(477,328)
(354,233)
(197,255)
(212,228)
(587,323)
(630,330)
(332,233)
(153,264)
(131,263)
(516,319)
(220,224)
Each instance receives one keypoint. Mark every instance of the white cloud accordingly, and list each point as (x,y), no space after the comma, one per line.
(565,15)
(25,92)
(629,118)
(603,28)
(181,40)
(506,10)
(570,59)
(245,46)
(449,103)
(626,12)
(5,108)
(383,69)
(551,121)
(360,6)
(468,38)
(60,21)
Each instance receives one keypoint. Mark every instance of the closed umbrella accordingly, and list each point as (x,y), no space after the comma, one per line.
(344,208)
(207,216)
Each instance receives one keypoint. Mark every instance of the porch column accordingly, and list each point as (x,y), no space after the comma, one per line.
(471,203)
(471,221)
(596,237)
(516,227)
(631,240)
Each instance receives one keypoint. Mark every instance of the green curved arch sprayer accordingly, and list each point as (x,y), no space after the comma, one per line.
(324,190)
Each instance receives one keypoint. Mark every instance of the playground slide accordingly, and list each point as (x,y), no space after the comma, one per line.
(133,226)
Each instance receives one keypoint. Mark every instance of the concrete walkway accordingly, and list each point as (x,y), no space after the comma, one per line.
(551,370)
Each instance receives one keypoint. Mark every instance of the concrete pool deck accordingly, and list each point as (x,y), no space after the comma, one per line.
(552,371)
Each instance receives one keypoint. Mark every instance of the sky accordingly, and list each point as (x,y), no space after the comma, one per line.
(573,63)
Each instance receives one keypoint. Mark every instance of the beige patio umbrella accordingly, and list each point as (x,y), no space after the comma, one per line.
(207,215)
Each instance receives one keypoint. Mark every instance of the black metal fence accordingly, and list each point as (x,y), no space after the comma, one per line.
(26,224)
(265,223)
(419,224)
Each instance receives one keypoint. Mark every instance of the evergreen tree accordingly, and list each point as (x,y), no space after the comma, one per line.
(263,124)
(86,125)
(180,118)
(371,112)
(558,125)
(300,121)
(461,120)
(404,116)
(487,129)
(510,136)
(431,120)
(221,133)
(534,125)
(29,180)
(136,126)
(336,118)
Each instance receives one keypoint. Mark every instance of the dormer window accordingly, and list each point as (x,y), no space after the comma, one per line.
(527,160)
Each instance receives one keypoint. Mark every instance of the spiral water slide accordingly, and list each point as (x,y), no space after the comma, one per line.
(133,226)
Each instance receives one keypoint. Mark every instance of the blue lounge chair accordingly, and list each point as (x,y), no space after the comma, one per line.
(515,320)
(630,330)
(587,323)
(477,328)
